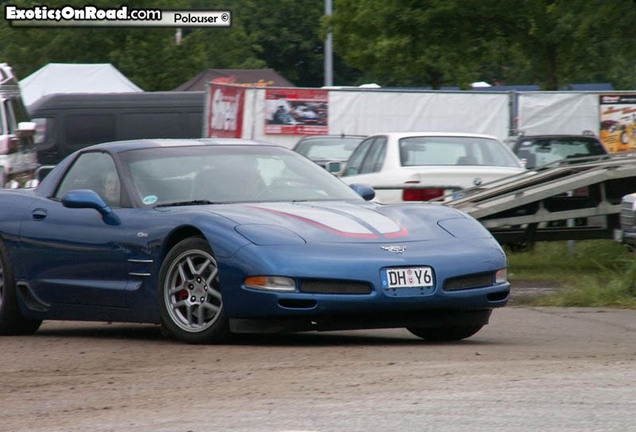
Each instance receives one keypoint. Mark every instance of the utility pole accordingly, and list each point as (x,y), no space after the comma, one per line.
(329,48)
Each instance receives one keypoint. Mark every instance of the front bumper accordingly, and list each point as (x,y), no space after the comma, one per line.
(363,263)
(355,321)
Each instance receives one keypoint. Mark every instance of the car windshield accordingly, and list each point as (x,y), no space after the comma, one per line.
(332,149)
(224,174)
(541,151)
(421,151)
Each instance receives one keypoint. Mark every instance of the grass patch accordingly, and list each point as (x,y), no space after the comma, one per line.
(593,273)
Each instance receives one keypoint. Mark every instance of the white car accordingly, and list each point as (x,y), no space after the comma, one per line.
(429,164)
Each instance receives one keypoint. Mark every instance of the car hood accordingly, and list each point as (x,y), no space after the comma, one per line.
(326,222)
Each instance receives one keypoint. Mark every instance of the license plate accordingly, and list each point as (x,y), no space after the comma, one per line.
(407,277)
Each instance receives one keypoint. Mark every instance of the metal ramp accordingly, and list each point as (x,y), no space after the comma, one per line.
(570,199)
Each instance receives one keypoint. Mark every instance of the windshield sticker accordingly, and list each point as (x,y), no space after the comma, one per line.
(150,199)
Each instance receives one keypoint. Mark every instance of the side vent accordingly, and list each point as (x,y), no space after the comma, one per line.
(31,301)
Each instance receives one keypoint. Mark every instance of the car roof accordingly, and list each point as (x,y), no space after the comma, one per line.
(122,146)
(322,137)
(330,136)
(242,141)
(399,135)
(540,136)
(57,101)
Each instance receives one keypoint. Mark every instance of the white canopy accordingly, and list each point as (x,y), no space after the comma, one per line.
(74,78)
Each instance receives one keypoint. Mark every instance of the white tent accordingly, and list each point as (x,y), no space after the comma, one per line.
(74,78)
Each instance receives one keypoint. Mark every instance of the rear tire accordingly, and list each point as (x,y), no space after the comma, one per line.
(189,294)
(444,334)
(12,322)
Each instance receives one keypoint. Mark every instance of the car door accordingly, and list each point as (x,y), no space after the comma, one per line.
(368,162)
(71,255)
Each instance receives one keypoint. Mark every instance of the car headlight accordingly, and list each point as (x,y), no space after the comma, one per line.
(271,283)
(501,277)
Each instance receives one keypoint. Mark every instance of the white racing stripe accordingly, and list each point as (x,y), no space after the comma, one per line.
(327,218)
(378,221)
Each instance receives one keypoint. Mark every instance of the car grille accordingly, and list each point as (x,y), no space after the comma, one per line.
(469,282)
(334,286)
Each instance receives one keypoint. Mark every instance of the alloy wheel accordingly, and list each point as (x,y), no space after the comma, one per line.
(191,293)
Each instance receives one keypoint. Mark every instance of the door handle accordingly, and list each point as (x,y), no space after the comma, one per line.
(39,214)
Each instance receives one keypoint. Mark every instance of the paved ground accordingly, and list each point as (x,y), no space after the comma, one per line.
(531,369)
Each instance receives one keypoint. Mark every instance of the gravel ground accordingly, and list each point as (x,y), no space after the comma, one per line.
(530,369)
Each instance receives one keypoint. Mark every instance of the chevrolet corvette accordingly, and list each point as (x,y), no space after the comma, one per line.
(210,240)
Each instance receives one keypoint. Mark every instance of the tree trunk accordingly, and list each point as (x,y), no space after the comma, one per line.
(435,77)
(551,68)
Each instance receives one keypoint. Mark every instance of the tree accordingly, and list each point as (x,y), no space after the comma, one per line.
(565,41)
(405,42)
(287,35)
(149,57)
(399,43)
(454,42)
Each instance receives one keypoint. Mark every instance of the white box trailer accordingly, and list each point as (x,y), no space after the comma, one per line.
(246,112)
(18,160)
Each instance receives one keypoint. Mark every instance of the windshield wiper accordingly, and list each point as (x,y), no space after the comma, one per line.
(188,203)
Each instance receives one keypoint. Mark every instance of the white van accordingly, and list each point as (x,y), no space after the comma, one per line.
(18,160)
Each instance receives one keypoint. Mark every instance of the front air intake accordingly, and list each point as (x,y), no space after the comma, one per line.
(469,282)
(334,286)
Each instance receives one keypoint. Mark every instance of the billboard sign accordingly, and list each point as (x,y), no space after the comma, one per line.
(225,106)
(296,111)
(618,122)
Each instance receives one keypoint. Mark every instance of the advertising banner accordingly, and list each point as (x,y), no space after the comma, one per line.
(618,122)
(296,111)
(225,105)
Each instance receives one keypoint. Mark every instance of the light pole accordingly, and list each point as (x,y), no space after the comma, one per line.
(328,48)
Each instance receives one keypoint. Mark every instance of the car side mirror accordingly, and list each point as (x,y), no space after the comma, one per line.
(365,191)
(86,198)
(26,129)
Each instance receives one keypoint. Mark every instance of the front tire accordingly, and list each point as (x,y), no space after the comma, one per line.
(12,322)
(189,294)
(444,334)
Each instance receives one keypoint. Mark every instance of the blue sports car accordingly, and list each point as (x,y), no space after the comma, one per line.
(211,240)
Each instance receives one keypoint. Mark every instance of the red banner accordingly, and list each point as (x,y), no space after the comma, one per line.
(296,111)
(225,111)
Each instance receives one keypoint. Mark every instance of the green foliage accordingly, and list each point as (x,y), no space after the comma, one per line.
(398,43)
(149,57)
(593,273)
(618,291)
(579,257)
(406,43)
(454,42)
(287,35)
